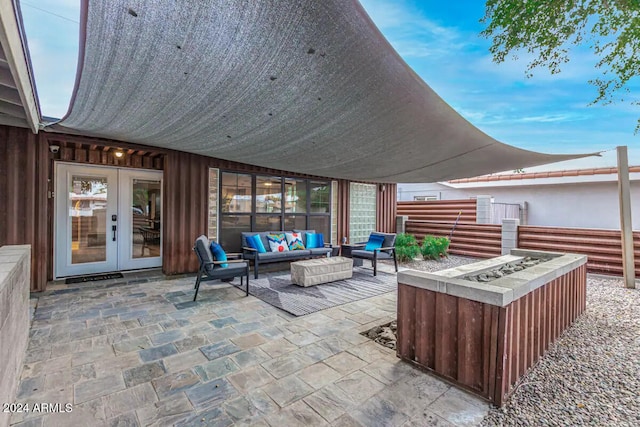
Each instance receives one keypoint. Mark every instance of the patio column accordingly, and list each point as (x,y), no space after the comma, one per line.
(509,234)
(626,230)
(483,209)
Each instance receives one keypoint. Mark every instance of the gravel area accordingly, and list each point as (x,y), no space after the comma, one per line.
(591,375)
(442,264)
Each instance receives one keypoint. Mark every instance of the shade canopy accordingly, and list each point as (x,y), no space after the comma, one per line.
(304,86)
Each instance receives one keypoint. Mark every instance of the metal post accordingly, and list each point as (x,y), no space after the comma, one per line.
(628,262)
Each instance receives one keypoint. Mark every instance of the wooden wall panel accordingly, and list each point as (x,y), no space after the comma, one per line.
(386,202)
(24,168)
(343,209)
(184,210)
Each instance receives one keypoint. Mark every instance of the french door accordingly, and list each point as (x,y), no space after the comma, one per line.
(106,219)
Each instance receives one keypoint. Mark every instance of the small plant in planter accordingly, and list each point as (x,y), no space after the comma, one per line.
(406,247)
(434,247)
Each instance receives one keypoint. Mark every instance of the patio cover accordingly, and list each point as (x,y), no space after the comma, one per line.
(304,86)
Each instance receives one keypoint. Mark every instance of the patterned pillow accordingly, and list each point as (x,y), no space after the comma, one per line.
(278,242)
(294,240)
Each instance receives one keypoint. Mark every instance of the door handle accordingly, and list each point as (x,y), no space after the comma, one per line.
(113,228)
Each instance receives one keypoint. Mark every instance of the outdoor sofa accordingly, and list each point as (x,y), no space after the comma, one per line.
(252,254)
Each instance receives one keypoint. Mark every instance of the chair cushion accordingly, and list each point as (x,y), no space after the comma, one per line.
(255,242)
(315,240)
(278,242)
(294,241)
(359,253)
(375,242)
(203,250)
(219,254)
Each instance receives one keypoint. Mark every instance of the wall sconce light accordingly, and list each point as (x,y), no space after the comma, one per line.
(54,148)
(383,187)
(119,154)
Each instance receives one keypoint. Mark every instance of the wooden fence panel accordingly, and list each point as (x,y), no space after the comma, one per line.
(439,210)
(602,247)
(476,240)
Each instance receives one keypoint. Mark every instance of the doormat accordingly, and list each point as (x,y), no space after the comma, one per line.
(93,278)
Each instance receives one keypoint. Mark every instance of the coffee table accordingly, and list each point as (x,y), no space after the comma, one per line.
(312,272)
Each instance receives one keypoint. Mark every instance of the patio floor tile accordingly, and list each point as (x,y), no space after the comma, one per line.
(124,354)
(288,390)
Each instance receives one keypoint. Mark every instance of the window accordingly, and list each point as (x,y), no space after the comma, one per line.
(334,212)
(424,198)
(362,211)
(266,203)
(235,207)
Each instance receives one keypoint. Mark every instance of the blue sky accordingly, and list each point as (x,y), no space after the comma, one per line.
(440,41)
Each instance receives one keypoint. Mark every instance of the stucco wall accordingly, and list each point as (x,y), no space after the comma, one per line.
(15,273)
(590,205)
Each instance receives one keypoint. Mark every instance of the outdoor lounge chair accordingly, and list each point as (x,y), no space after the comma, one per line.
(386,250)
(211,269)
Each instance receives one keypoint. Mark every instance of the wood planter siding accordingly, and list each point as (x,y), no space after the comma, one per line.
(482,346)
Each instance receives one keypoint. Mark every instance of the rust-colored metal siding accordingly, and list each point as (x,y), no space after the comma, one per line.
(343,209)
(26,177)
(439,210)
(602,247)
(386,202)
(484,348)
(476,240)
(24,213)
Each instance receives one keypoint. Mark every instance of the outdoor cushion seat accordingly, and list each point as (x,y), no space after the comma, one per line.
(387,250)
(258,258)
(210,269)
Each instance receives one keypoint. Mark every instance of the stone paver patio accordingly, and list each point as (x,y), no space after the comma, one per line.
(138,352)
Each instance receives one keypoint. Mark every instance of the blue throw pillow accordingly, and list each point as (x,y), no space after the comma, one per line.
(219,254)
(375,242)
(314,240)
(255,242)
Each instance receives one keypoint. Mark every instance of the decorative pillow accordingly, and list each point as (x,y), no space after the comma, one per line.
(255,242)
(219,254)
(314,240)
(294,240)
(375,242)
(278,242)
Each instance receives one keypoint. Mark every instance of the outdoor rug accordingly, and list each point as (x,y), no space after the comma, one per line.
(277,290)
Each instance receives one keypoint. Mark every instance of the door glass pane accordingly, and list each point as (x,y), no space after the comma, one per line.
(236,193)
(268,223)
(145,218)
(320,223)
(295,193)
(230,228)
(88,214)
(295,222)
(268,194)
(320,201)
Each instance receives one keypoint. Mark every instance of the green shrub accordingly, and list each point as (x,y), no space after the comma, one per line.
(434,247)
(406,247)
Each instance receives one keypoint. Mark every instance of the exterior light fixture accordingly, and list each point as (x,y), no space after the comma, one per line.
(119,154)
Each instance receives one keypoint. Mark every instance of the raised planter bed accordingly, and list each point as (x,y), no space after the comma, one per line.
(485,336)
